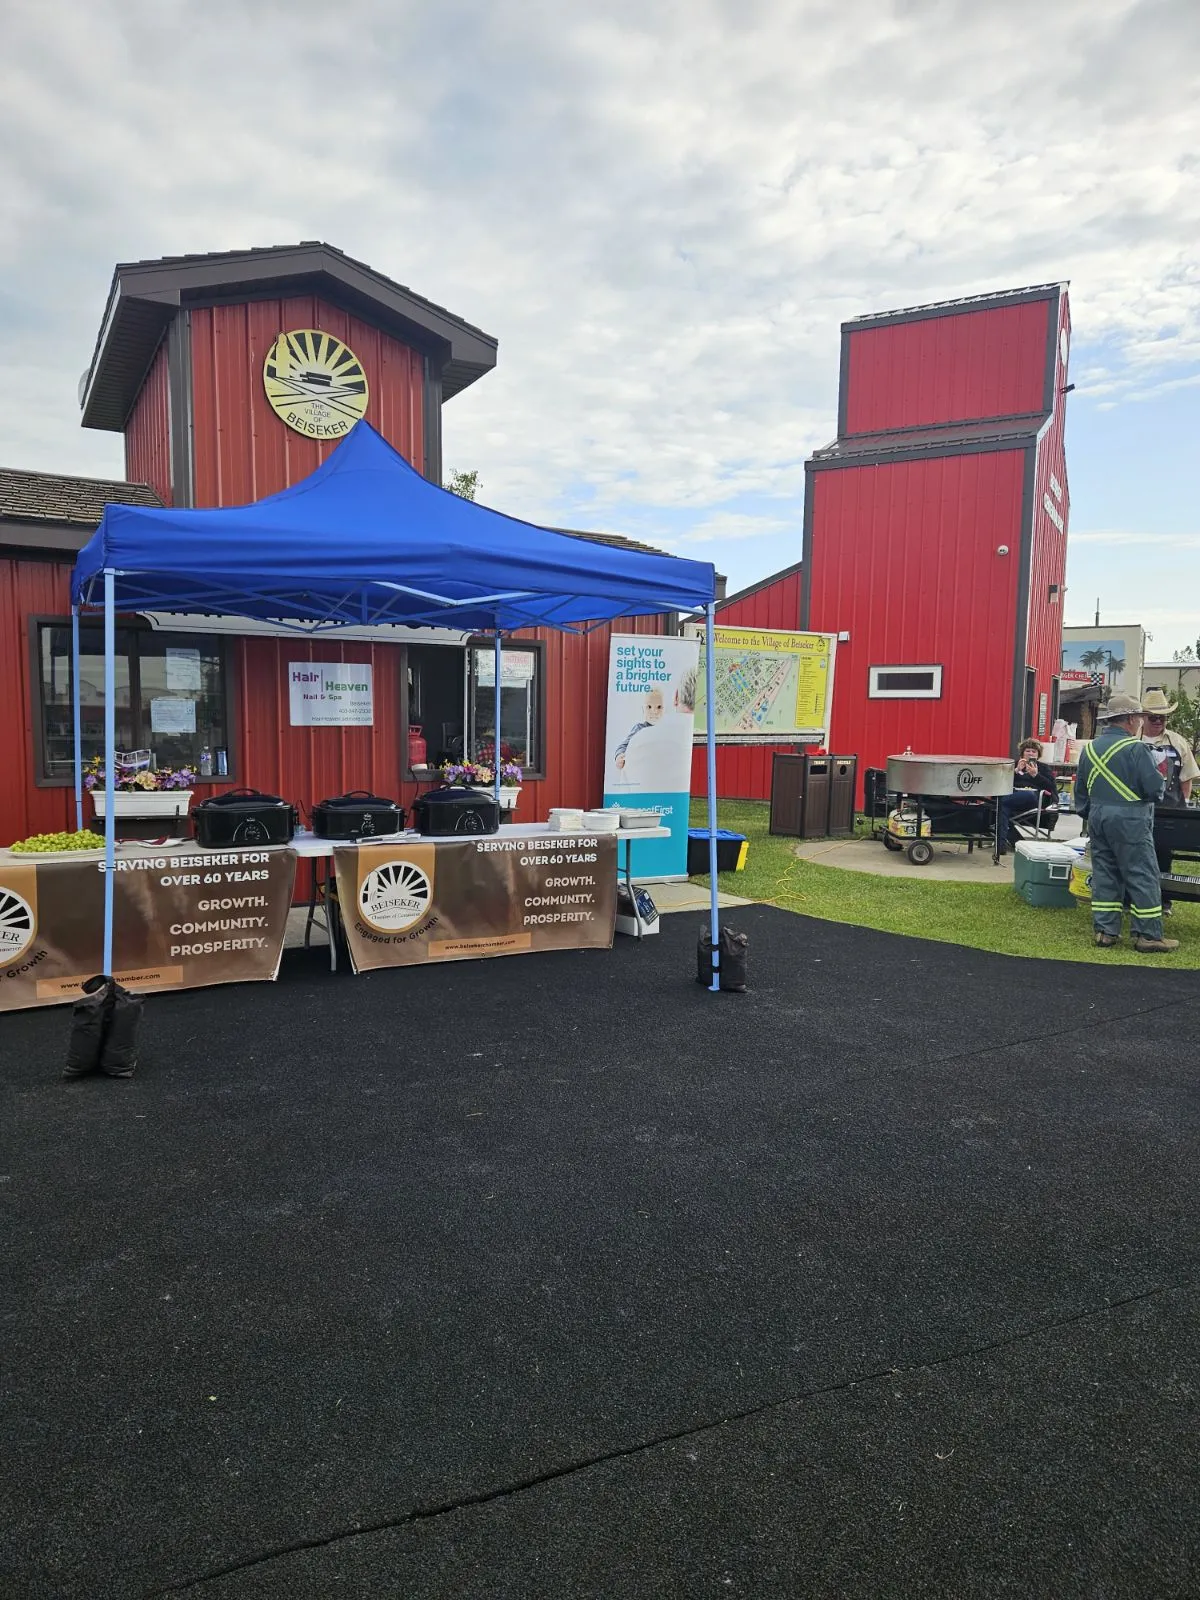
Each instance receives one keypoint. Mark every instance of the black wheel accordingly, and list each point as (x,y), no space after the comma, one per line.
(891,844)
(920,852)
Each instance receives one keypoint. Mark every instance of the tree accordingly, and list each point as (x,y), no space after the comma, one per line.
(464,484)
(1185,719)
(1092,659)
(1188,653)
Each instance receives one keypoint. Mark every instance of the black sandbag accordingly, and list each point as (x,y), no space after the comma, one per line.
(118,1057)
(732,970)
(89,1020)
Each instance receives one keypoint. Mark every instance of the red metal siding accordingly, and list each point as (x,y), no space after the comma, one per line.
(148,432)
(310,764)
(904,558)
(243,451)
(744,771)
(773,605)
(27,588)
(948,368)
(1048,561)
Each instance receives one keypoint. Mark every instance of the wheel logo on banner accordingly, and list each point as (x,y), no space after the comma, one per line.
(17,926)
(315,384)
(394,896)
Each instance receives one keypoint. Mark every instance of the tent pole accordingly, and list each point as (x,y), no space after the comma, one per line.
(710,704)
(496,724)
(75,699)
(110,768)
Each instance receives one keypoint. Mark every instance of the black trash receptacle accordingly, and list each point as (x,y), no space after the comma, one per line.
(787,793)
(814,807)
(842,785)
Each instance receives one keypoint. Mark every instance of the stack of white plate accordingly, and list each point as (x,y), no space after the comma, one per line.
(566,819)
(601,821)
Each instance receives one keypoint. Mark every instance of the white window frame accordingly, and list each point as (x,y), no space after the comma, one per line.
(934,692)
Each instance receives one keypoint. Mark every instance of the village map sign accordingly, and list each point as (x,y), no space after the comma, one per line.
(770,685)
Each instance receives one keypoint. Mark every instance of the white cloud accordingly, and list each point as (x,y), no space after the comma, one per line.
(1133,542)
(663,211)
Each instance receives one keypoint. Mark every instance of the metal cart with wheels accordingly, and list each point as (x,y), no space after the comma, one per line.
(952,799)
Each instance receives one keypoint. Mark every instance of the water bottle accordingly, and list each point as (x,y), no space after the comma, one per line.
(222,763)
(206,764)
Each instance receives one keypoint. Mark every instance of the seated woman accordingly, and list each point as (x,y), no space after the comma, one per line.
(1031,777)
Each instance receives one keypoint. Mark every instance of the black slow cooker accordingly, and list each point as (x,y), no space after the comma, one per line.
(244,817)
(357,815)
(456,810)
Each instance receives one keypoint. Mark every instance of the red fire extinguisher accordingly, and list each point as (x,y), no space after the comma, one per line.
(417,749)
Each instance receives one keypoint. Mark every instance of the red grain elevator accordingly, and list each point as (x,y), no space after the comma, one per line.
(935,526)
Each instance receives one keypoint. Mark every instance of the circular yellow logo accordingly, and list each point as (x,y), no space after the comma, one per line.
(17,926)
(315,383)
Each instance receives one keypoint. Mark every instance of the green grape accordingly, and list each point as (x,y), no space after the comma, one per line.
(54,843)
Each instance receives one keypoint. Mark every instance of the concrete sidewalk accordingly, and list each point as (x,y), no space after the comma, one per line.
(951,862)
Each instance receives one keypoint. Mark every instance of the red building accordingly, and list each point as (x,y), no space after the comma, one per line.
(188,367)
(935,531)
(935,526)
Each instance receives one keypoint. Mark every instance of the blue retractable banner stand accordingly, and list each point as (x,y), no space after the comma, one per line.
(648,748)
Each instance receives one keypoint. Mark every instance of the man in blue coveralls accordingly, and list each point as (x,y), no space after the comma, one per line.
(1116,786)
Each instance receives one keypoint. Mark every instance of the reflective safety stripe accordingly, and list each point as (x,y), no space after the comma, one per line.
(1145,911)
(1107,905)
(1100,766)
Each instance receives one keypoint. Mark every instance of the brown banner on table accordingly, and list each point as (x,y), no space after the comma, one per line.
(458,899)
(180,921)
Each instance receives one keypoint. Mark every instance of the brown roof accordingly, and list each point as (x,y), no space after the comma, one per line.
(147,296)
(1010,432)
(969,302)
(50,497)
(618,540)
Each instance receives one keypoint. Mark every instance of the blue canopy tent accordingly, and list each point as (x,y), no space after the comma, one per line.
(363,540)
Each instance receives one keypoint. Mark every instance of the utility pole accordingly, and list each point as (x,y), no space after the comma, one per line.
(1097,611)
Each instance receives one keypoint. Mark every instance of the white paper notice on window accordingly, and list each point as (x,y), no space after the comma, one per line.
(172,716)
(183,671)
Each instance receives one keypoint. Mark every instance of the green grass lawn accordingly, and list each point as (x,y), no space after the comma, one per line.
(985,916)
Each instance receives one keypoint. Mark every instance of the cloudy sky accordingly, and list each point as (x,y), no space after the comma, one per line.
(663,210)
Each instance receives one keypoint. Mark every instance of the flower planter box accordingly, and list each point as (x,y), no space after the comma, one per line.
(509,795)
(165,803)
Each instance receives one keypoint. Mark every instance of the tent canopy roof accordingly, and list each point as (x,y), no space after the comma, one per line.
(366,539)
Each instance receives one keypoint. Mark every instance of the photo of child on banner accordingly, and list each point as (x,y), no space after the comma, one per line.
(648,747)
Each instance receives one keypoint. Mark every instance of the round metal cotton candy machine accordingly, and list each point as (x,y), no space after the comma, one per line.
(950,777)
(954,799)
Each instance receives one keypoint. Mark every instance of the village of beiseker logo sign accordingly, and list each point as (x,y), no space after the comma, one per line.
(315,383)
(17,925)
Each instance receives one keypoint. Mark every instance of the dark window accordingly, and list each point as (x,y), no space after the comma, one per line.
(172,697)
(905,683)
(437,699)
(909,682)
(520,695)
(452,699)
(1030,699)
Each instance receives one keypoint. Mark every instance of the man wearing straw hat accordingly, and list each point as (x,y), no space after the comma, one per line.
(1116,786)
(1175,761)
